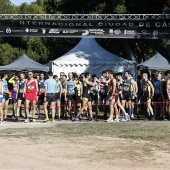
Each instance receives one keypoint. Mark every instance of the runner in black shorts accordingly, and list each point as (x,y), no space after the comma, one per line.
(58,90)
(49,96)
(147,91)
(21,97)
(78,90)
(41,89)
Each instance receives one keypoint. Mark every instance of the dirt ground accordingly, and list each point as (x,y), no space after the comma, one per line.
(49,146)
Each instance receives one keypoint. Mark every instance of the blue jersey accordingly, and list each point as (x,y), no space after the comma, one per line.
(70,87)
(57,87)
(5,85)
(21,86)
(157,87)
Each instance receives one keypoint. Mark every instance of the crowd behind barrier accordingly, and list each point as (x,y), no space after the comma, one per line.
(116,95)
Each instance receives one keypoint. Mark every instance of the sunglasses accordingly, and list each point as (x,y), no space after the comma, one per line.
(30,74)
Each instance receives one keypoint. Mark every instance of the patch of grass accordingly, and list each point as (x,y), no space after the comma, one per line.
(149,131)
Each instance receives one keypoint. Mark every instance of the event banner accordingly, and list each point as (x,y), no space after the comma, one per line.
(134,29)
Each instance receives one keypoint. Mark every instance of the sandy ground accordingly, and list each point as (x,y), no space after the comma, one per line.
(54,151)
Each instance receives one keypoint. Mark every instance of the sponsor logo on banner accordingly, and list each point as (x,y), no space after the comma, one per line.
(155,33)
(17,30)
(111,31)
(43,30)
(117,32)
(54,31)
(8,30)
(31,30)
(86,32)
(96,31)
(144,32)
(129,32)
(1,31)
(69,31)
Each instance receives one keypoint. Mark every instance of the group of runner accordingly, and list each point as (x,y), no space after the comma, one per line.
(73,96)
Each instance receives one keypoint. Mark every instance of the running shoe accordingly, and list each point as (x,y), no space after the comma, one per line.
(1,122)
(59,119)
(132,116)
(116,120)
(27,121)
(77,118)
(95,119)
(127,118)
(46,119)
(109,120)
(73,118)
(33,120)
(123,119)
(52,121)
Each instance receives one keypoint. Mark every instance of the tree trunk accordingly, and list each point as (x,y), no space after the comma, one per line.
(128,50)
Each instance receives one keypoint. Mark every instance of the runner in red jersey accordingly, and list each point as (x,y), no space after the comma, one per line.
(114,99)
(30,90)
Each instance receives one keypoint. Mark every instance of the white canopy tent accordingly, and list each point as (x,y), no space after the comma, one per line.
(89,56)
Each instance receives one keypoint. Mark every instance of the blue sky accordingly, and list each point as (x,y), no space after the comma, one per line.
(19,2)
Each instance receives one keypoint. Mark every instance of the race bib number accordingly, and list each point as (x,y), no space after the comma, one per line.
(42,89)
(21,90)
(15,89)
(71,92)
(30,87)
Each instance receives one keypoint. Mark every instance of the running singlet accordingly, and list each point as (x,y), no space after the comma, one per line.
(21,86)
(41,87)
(86,92)
(70,88)
(157,86)
(78,89)
(111,87)
(31,86)
(1,93)
(127,86)
(5,86)
(14,90)
(145,87)
(57,88)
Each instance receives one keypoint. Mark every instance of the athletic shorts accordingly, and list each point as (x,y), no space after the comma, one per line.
(93,97)
(51,97)
(103,96)
(86,99)
(145,97)
(127,96)
(30,96)
(78,99)
(157,98)
(5,96)
(165,95)
(20,97)
(57,97)
(41,97)
(116,97)
(63,99)
(71,98)
(14,101)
